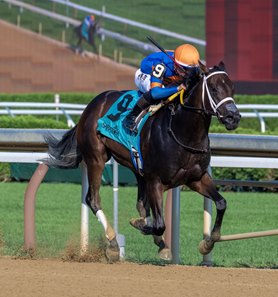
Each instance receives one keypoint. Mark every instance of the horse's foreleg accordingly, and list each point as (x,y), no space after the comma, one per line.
(207,188)
(144,222)
(94,202)
(79,48)
(154,192)
(155,195)
(94,46)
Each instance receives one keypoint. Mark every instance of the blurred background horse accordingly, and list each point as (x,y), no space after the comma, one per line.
(91,40)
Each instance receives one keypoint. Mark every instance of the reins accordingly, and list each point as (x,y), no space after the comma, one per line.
(188,148)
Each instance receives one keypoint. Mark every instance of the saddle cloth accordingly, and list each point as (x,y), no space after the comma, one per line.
(111,126)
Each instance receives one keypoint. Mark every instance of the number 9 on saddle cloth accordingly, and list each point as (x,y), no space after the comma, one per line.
(111,125)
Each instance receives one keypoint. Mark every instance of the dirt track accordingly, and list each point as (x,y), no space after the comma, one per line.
(35,278)
(31,63)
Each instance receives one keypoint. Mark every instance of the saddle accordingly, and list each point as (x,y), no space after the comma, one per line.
(110,125)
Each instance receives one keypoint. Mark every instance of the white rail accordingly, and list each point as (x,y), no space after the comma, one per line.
(260,111)
(256,112)
(23,108)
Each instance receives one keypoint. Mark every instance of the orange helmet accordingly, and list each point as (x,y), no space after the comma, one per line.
(187,55)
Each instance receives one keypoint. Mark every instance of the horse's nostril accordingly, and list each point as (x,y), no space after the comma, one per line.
(229,117)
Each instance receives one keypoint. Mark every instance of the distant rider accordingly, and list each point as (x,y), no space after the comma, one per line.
(160,77)
(88,22)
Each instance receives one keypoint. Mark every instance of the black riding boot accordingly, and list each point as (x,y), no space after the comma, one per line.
(130,120)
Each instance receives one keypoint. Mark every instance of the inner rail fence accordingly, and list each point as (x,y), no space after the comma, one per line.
(28,146)
(258,111)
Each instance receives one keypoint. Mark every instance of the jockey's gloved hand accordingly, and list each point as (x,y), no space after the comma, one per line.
(182,87)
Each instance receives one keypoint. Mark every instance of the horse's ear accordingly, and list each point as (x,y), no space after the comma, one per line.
(203,67)
(222,66)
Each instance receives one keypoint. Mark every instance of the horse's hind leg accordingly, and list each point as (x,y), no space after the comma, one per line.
(77,32)
(95,169)
(207,188)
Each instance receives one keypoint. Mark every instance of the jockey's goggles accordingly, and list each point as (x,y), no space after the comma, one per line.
(188,67)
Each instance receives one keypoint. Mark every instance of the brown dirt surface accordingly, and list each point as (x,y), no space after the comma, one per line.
(31,63)
(33,278)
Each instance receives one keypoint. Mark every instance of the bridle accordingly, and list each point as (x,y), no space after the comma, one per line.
(205,90)
(213,105)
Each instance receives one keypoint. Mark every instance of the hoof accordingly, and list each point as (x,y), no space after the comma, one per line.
(206,246)
(112,255)
(141,225)
(165,254)
(112,251)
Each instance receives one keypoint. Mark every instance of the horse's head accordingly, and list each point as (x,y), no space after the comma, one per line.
(217,95)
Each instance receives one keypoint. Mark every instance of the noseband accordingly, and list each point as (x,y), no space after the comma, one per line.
(205,90)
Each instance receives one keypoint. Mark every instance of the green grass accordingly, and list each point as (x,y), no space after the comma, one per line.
(58,225)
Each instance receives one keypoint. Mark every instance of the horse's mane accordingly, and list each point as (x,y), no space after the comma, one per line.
(220,67)
(193,79)
(195,75)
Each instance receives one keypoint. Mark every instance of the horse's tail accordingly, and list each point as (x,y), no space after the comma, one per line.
(63,153)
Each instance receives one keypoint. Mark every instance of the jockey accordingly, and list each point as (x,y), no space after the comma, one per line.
(160,76)
(88,22)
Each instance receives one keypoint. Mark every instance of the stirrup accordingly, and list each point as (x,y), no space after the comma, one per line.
(131,127)
(130,124)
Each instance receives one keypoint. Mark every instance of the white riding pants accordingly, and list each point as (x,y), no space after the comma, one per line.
(142,81)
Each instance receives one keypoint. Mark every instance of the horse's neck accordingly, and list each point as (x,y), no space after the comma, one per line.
(192,116)
(194,99)
(93,28)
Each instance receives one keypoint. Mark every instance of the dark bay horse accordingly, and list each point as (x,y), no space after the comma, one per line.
(93,31)
(175,149)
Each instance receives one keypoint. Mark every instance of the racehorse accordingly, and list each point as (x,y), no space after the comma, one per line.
(175,149)
(93,30)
